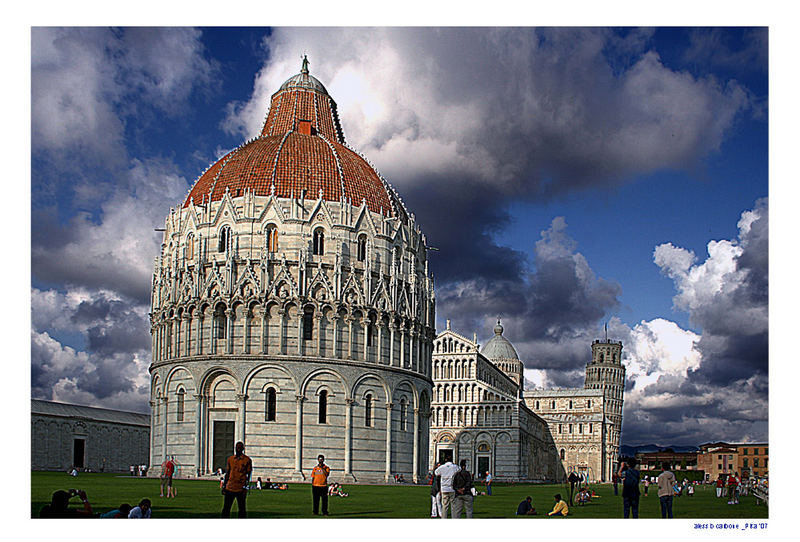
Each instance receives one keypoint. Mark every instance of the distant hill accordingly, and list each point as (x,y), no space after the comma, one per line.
(646,448)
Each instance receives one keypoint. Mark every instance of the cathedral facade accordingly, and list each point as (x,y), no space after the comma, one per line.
(292,309)
(481,413)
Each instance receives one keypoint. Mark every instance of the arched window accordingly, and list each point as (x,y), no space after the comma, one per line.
(323,406)
(563,454)
(220,323)
(308,325)
(270,406)
(189,248)
(370,333)
(559,428)
(368,410)
(570,429)
(362,247)
(224,241)
(403,415)
(319,242)
(580,428)
(181,395)
(537,405)
(553,405)
(588,403)
(272,238)
(570,403)
(590,428)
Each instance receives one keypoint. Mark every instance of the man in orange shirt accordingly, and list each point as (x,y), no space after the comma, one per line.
(319,485)
(237,478)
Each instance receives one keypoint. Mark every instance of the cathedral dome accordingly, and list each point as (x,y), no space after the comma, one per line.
(498,346)
(301,152)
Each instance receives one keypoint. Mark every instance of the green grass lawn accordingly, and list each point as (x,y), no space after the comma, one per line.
(202,499)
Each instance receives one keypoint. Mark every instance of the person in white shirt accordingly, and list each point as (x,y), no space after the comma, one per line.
(447,471)
(142,511)
(666,480)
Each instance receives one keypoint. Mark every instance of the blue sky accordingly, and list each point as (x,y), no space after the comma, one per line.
(567,175)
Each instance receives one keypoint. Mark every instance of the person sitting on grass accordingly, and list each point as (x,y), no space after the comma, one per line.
(560,508)
(143,511)
(526,508)
(59,505)
(690,490)
(119,513)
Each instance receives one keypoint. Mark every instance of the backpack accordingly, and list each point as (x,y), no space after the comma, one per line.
(630,484)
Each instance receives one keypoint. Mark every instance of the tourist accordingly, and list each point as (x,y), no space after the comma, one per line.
(560,508)
(526,508)
(462,484)
(258,483)
(573,479)
(732,484)
(436,494)
(447,471)
(133,470)
(666,480)
(488,483)
(143,511)
(720,485)
(237,479)
(690,490)
(630,488)
(646,485)
(615,482)
(59,505)
(167,470)
(319,485)
(118,513)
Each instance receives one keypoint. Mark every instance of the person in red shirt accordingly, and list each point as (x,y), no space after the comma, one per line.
(236,481)
(319,485)
(167,471)
(732,483)
(720,485)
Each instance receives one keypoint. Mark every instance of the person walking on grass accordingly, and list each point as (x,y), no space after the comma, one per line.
(236,482)
(630,488)
(447,471)
(463,484)
(319,485)
(666,480)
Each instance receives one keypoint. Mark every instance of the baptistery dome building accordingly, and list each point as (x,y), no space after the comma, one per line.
(292,309)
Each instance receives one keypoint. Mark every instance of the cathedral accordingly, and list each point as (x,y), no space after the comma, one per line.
(481,412)
(293,309)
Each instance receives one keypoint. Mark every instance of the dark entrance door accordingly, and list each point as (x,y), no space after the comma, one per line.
(445,456)
(78,449)
(223,443)
(483,466)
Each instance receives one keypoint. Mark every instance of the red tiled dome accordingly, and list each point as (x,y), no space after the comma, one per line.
(301,147)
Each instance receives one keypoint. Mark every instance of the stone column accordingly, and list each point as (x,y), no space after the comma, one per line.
(379,346)
(231,315)
(300,338)
(413,350)
(152,431)
(348,438)
(415,474)
(365,323)
(298,439)
(199,347)
(187,335)
(264,329)
(389,441)
(318,323)
(281,335)
(349,321)
(392,329)
(402,346)
(164,417)
(246,332)
(198,433)
(335,323)
(241,405)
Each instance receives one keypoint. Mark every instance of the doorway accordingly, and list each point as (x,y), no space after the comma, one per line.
(223,443)
(78,451)
(445,456)
(483,466)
